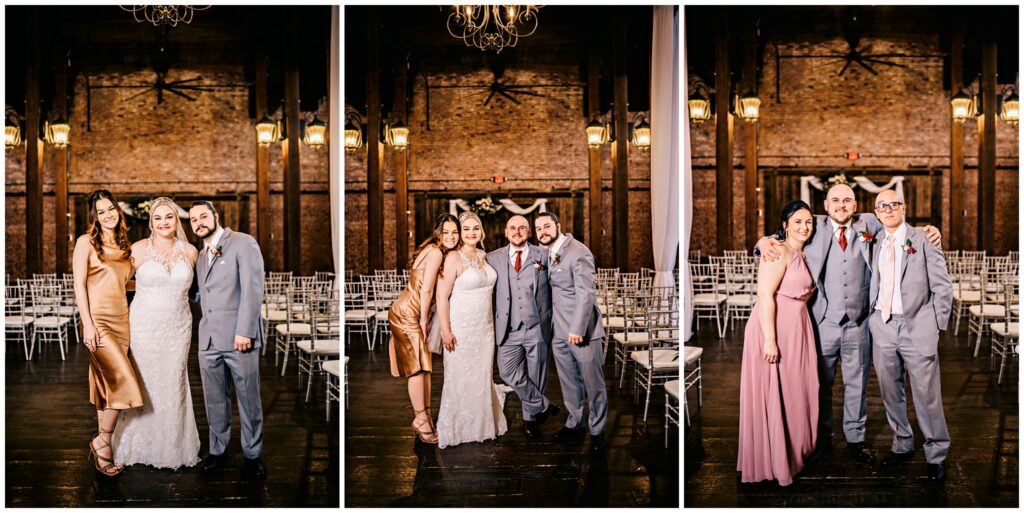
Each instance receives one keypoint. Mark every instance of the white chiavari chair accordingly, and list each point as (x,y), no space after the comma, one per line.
(333,370)
(51,326)
(17,324)
(296,326)
(1006,333)
(708,301)
(692,376)
(671,406)
(694,257)
(658,363)
(981,315)
(67,306)
(357,314)
(966,288)
(274,308)
(633,334)
(741,276)
(323,345)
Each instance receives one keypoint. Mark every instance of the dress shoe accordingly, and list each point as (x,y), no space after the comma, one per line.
(531,428)
(253,470)
(823,449)
(214,462)
(857,452)
(895,458)
(936,472)
(548,412)
(568,435)
(596,444)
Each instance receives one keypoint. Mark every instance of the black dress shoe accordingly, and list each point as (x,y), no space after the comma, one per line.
(936,472)
(548,412)
(859,455)
(253,470)
(568,435)
(895,458)
(531,428)
(596,444)
(213,462)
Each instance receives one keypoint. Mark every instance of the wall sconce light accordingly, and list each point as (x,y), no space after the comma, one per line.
(700,101)
(597,133)
(397,135)
(641,137)
(268,131)
(353,131)
(315,133)
(12,129)
(57,133)
(748,107)
(1010,113)
(963,107)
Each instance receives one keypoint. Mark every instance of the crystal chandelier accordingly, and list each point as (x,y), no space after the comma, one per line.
(492,27)
(164,14)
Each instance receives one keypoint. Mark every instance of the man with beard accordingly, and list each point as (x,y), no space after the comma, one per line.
(577,331)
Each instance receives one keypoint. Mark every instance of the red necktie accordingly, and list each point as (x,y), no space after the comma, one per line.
(519,260)
(842,237)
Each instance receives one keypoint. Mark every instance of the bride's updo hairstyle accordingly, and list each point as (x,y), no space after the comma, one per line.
(436,237)
(179,230)
(467,215)
(787,212)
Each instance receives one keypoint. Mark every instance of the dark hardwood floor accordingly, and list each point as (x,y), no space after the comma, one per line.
(983,420)
(49,421)
(384,466)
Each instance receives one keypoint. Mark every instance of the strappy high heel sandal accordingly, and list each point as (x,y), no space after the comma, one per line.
(431,436)
(108,464)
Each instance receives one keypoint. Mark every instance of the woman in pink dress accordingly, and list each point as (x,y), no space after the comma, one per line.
(779,377)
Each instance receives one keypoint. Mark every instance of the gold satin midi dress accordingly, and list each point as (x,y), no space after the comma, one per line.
(408,350)
(112,380)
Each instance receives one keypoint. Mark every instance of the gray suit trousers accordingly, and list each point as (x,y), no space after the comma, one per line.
(531,384)
(579,372)
(218,369)
(852,344)
(895,354)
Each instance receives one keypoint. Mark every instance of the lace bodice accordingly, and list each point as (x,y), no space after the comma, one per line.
(160,276)
(475,276)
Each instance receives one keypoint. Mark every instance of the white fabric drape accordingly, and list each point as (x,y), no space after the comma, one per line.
(687,196)
(334,137)
(664,150)
(540,205)
(806,182)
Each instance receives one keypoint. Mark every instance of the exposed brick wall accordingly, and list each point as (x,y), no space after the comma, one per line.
(539,145)
(896,120)
(138,147)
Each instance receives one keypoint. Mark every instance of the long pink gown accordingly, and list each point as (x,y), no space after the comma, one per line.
(779,401)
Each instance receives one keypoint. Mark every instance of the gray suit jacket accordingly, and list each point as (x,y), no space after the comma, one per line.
(925,290)
(499,260)
(573,292)
(816,254)
(230,293)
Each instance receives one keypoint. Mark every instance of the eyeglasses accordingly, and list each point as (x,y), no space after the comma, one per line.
(888,207)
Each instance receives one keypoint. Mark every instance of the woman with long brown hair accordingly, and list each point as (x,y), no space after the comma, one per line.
(102,266)
(409,319)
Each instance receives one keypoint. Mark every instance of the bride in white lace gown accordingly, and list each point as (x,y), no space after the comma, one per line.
(163,432)
(471,404)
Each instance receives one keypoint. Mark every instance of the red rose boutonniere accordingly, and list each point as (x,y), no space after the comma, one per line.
(865,236)
(908,247)
(556,258)
(216,250)
(538,265)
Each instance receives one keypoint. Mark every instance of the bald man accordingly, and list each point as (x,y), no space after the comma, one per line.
(522,322)
(839,258)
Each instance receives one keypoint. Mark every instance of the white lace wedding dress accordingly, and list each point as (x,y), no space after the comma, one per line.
(471,404)
(163,432)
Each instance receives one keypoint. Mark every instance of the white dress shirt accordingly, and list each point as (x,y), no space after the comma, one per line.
(900,238)
(525,248)
(835,229)
(212,242)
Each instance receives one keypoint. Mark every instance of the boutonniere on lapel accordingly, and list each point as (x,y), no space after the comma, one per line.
(538,265)
(865,236)
(557,258)
(908,247)
(216,250)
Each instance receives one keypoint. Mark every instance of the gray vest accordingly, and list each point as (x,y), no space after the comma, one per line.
(846,286)
(521,287)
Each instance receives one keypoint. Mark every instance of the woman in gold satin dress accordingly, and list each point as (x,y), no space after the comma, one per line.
(409,319)
(102,267)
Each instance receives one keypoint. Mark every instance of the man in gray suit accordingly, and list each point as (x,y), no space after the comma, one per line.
(578,331)
(839,259)
(522,322)
(911,300)
(229,275)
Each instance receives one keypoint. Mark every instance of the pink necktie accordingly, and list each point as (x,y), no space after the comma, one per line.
(888,268)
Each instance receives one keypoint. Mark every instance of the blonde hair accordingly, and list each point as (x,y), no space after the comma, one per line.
(179,231)
(467,215)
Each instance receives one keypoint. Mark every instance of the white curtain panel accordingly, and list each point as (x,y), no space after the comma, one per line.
(335,157)
(664,147)
(687,196)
